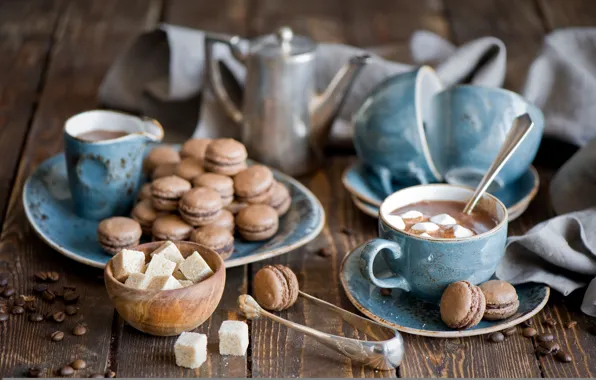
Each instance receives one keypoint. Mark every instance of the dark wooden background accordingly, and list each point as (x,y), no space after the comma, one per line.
(53,55)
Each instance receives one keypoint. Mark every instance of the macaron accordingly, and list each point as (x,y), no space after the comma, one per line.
(145,214)
(236,206)
(117,233)
(217,238)
(224,185)
(195,148)
(280,198)
(225,219)
(275,287)
(257,222)
(501,299)
(164,170)
(225,156)
(145,192)
(170,227)
(254,184)
(462,305)
(162,154)
(200,206)
(167,191)
(189,168)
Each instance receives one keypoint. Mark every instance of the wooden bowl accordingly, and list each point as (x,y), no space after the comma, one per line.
(169,312)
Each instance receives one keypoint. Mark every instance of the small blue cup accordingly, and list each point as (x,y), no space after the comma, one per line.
(425,266)
(104,176)
(389,134)
(467,125)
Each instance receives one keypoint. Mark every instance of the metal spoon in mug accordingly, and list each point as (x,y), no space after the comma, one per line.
(522,125)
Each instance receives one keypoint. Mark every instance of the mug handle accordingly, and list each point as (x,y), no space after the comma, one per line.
(368,252)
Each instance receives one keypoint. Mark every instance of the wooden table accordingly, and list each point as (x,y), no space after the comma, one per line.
(53,55)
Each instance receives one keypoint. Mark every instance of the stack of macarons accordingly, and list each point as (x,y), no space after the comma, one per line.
(204,193)
(464,305)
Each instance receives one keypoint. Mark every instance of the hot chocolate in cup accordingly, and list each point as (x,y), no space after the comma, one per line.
(425,259)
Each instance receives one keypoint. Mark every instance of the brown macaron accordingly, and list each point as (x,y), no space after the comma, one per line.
(280,198)
(171,227)
(257,222)
(217,238)
(224,185)
(145,214)
(117,233)
(235,207)
(501,299)
(275,287)
(225,156)
(164,170)
(167,191)
(462,305)
(254,184)
(145,192)
(200,206)
(189,168)
(195,148)
(162,154)
(225,219)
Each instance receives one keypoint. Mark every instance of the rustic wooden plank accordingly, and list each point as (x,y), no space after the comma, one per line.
(226,16)
(517,23)
(88,38)
(565,13)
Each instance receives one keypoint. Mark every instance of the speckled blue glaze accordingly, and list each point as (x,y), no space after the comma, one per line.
(104,176)
(466,126)
(405,312)
(388,128)
(49,207)
(425,267)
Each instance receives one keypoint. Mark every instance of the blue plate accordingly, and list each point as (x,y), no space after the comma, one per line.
(361,184)
(48,206)
(408,314)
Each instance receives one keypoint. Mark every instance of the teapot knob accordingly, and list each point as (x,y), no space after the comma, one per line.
(284,34)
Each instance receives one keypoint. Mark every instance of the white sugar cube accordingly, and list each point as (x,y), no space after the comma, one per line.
(396,221)
(424,234)
(126,262)
(462,232)
(233,338)
(190,350)
(412,214)
(137,281)
(425,227)
(163,283)
(195,268)
(170,252)
(160,266)
(185,283)
(443,219)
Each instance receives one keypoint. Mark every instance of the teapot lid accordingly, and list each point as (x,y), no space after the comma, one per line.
(284,43)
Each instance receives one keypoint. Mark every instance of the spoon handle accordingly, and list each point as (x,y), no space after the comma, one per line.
(522,125)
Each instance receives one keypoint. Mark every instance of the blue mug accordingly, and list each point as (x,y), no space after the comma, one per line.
(467,125)
(104,175)
(389,134)
(425,266)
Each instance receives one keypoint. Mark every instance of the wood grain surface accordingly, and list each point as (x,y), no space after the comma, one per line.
(53,55)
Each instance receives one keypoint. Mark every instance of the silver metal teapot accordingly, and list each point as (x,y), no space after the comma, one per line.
(284,123)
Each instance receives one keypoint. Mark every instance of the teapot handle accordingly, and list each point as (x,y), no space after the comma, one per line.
(214,74)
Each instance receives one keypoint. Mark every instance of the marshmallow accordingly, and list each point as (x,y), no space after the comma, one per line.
(396,222)
(462,232)
(425,227)
(412,214)
(443,220)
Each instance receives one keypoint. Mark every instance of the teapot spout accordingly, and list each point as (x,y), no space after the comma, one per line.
(325,107)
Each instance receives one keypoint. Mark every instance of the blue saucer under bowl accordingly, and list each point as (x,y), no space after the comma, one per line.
(411,315)
(48,206)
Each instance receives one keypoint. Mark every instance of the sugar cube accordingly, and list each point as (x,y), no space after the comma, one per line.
(160,266)
(137,281)
(163,283)
(185,283)
(170,252)
(233,338)
(190,350)
(126,262)
(195,268)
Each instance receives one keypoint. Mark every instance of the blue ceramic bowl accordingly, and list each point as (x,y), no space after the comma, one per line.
(466,126)
(389,134)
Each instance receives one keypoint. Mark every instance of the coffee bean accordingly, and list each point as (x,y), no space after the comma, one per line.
(40,288)
(324,252)
(528,323)
(41,276)
(563,356)
(386,292)
(529,332)
(59,316)
(36,317)
(571,324)
(550,347)
(110,374)
(48,315)
(30,307)
(48,295)
(96,376)
(17,310)
(8,292)
(78,364)
(549,321)
(496,337)
(34,372)
(346,231)
(4,279)
(66,371)
(71,310)
(545,337)
(57,336)
(510,331)
(71,296)
(19,301)
(3,317)
(53,276)
(69,287)
(79,330)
